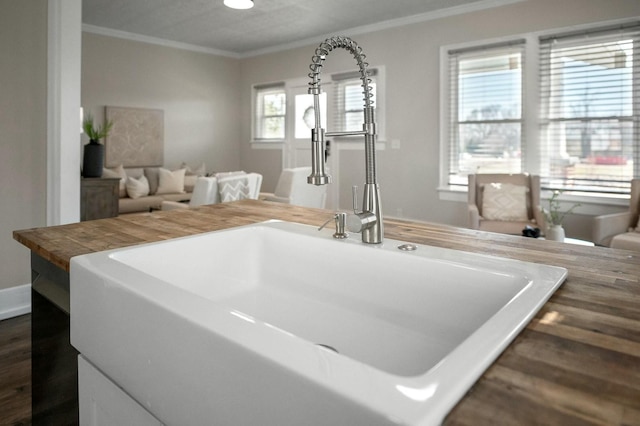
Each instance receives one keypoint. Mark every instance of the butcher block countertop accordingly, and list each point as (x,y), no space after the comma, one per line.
(577,362)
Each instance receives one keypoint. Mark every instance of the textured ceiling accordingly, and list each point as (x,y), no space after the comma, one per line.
(270,23)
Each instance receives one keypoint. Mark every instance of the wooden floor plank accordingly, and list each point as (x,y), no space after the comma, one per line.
(15,371)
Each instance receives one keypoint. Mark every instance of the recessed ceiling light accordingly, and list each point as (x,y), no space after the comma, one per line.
(239,4)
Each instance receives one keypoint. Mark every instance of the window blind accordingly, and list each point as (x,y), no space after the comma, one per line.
(589,117)
(348,103)
(485,110)
(270,111)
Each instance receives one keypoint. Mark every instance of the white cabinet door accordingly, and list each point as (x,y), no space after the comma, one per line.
(103,403)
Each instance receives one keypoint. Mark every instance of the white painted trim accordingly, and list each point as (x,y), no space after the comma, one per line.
(64,45)
(593,204)
(54,190)
(267,144)
(15,301)
(590,204)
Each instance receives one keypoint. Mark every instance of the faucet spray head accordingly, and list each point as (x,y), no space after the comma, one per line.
(318,174)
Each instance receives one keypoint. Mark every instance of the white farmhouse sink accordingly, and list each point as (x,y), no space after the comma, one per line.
(236,326)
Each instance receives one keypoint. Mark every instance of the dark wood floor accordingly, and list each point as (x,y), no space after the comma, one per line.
(15,371)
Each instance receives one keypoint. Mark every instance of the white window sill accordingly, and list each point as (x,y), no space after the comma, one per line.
(343,144)
(453,193)
(591,204)
(267,143)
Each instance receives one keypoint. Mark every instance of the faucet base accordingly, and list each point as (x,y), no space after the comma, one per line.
(373,233)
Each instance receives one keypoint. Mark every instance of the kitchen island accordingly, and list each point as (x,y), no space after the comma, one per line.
(576,362)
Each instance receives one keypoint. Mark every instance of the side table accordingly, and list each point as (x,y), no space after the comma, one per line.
(98,198)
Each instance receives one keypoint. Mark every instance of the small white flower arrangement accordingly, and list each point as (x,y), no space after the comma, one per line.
(553,215)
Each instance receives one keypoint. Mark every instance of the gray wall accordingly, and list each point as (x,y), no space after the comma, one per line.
(409,176)
(198,93)
(207,104)
(23,131)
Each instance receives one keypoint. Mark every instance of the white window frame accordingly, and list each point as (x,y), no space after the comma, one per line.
(379,105)
(554,114)
(510,46)
(378,78)
(257,89)
(530,116)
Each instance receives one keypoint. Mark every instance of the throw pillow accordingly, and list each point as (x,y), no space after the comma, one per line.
(153,176)
(117,172)
(137,187)
(505,201)
(190,182)
(170,182)
(199,171)
(233,188)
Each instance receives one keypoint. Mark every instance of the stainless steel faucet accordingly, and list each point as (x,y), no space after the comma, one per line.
(368,221)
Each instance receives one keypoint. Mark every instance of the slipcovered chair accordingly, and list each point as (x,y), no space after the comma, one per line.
(205,191)
(292,188)
(223,187)
(620,230)
(504,203)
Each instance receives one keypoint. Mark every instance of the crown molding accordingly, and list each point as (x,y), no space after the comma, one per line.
(93,29)
(384,25)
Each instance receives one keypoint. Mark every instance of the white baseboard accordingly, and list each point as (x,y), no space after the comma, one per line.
(15,301)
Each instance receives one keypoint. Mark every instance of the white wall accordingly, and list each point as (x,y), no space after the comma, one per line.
(198,93)
(23,131)
(409,176)
(207,104)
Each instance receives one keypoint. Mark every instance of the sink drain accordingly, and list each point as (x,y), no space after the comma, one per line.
(331,348)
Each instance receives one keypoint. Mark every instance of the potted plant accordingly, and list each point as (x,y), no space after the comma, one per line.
(93,158)
(554,216)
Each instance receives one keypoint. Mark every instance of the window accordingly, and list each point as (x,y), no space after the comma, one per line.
(588,139)
(349,100)
(270,112)
(565,106)
(485,111)
(341,107)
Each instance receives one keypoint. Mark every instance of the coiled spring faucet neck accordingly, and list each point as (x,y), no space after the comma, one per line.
(370,218)
(320,55)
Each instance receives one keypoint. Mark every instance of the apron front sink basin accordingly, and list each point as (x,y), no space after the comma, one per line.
(277,323)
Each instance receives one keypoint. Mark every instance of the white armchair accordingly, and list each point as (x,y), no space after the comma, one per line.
(620,230)
(515,215)
(205,191)
(292,188)
(234,186)
(208,190)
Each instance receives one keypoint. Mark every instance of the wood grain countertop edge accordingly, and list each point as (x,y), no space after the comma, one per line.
(576,362)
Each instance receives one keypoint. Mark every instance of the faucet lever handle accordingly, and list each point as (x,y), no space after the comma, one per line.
(354,195)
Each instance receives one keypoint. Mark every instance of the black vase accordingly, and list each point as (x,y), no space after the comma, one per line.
(93,159)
